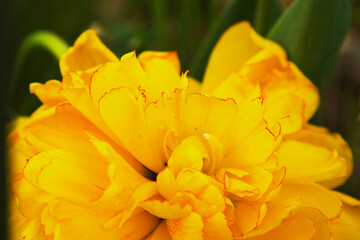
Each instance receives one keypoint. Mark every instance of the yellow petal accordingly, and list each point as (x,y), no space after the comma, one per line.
(314,195)
(308,162)
(189,227)
(236,87)
(274,73)
(67,175)
(127,73)
(189,154)
(72,219)
(339,167)
(194,85)
(48,93)
(31,229)
(48,220)
(201,114)
(88,51)
(170,57)
(250,186)
(249,215)
(239,43)
(306,224)
(287,108)
(163,68)
(128,123)
(160,233)
(124,178)
(77,94)
(347,227)
(143,192)
(251,141)
(217,227)
(164,209)
(277,211)
(30,200)
(166,183)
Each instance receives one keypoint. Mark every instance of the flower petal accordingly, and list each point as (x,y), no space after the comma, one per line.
(166,183)
(347,227)
(217,227)
(165,209)
(330,172)
(188,154)
(239,43)
(72,219)
(200,114)
(88,51)
(249,215)
(308,162)
(121,111)
(307,223)
(251,141)
(67,175)
(77,94)
(48,93)
(315,196)
(189,227)
(160,233)
(163,68)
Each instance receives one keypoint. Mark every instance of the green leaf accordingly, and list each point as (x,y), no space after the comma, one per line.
(267,12)
(160,11)
(238,10)
(311,31)
(40,39)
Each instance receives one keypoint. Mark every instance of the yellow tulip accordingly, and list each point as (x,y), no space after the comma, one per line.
(132,149)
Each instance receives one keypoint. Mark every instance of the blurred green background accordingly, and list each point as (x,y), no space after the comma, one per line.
(191,28)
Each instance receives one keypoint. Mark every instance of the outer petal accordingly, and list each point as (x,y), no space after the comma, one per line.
(67,175)
(314,195)
(333,170)
(238,44)
(48,93)
(277,211)
(347,227)
(305,161)
(88,51)
(77,93)
(79,222)
(274,73)
(306,224)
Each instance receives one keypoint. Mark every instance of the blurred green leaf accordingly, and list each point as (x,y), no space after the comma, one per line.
(160,11)
(267,12)
(311,31)
(238,10)
(40,39)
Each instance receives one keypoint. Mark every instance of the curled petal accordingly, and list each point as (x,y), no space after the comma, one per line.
(325,157)
(88,51)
